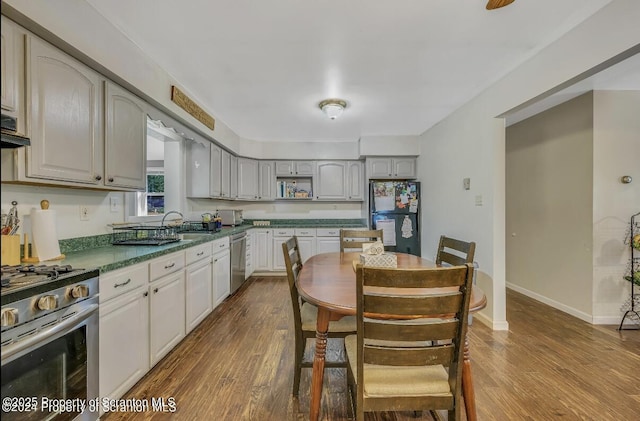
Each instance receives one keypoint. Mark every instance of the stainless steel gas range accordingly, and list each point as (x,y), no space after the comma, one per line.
(49,324)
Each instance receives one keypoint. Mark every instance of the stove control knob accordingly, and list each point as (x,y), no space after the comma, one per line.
(78,291)
(47,302)
(9,316)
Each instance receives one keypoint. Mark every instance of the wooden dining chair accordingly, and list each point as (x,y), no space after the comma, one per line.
(385,373)
(454,252)
(354,239)
(305,315)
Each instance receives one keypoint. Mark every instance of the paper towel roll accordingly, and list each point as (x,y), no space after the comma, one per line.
(45,234)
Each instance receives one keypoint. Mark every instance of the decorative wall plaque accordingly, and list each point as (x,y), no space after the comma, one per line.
(191,107)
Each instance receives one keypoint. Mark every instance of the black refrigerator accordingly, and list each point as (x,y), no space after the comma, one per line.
(394,207)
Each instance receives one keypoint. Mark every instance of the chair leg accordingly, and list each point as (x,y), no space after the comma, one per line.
(299,351)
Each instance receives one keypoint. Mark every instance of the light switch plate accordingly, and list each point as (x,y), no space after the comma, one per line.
(466,183)
(113,204)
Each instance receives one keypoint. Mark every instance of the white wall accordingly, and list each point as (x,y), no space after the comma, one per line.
(549,206)
(616,152)
(470,143)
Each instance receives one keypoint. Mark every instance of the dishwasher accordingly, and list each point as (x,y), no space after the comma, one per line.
(238,256)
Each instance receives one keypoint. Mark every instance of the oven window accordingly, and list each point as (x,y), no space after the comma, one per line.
(56,370)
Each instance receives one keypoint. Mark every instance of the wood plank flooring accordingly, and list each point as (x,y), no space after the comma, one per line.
(238,365)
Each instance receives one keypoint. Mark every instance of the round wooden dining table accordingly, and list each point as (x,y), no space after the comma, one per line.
(328,280)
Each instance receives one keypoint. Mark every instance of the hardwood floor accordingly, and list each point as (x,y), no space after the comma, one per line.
(238,365)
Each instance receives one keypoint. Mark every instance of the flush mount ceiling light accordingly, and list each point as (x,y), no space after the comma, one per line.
(333,107)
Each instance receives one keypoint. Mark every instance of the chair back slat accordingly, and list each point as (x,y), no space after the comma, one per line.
(455,252)
(417,278)
(404,356)
(351,240)
(413,306)
(420,330)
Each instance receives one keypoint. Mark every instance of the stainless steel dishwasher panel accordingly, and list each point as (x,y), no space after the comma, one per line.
(238,258)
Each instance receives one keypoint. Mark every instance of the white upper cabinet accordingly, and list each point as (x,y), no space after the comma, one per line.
(11,71)
(85,131)
(125,139)
(225,176)
(267,180)
(391,168)
(215,183)
(66,117)
(331,180)
(247,179)
(198,166)
(294,168)
(355,180)
(233,175)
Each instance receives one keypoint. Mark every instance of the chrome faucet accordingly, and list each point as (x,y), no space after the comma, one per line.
(167,214)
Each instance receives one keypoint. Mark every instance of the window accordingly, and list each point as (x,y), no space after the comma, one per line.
(155,194)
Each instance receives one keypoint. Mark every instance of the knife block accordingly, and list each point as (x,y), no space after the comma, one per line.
(10,249)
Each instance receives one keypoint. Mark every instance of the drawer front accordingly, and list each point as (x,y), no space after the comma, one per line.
(305,232)
(166,265)
(220,244)
(283,232)
(120,281)
(328,232)
(198,252)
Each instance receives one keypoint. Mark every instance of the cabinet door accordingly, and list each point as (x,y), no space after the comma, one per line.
(355,180)
(247,178)
(305,167)
(404,167)
(267,180)
(198,168)
(277,258)
(233,178)
(66,107)
(124,342)
(327,244)
(284,168)
(262,252)
(10,70)
(125,139)
(379,168)
(221,276)
(199,292)
(225,175)
(167,314)
(330,183)
(307,247)
(215,175)
(248,270)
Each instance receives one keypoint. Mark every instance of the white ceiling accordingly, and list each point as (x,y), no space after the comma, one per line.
(262,67)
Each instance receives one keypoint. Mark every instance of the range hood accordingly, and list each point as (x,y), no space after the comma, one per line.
(10,138)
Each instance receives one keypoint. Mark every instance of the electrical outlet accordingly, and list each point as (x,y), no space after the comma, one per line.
(84,213)
(113,204)
(479,200)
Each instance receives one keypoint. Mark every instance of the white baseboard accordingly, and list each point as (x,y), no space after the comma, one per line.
(488,321)
(555,304)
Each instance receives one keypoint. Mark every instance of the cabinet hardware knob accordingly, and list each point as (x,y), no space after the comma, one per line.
(110,179)
(155,290)
(79,291)
(98,177)
(9,316)
(47,302)
(146,294)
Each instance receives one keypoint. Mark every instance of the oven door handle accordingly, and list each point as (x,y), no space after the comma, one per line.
(62,328)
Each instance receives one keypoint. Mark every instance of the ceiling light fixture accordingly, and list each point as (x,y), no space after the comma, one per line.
(333,107)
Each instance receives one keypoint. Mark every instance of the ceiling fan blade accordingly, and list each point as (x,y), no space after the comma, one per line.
(496,4)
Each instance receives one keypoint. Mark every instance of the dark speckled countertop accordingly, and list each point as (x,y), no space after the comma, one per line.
(97,252)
